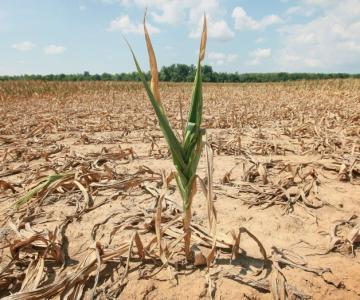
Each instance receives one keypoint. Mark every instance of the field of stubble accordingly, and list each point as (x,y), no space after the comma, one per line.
(83,165)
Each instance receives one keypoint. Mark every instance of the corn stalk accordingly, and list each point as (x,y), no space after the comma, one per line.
(186,153)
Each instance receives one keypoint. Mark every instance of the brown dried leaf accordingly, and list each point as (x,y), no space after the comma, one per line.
(203,40)
(278,285)
(161,244)
(153,65)
(6,186)
(262,172)
(34,274)
(199,258)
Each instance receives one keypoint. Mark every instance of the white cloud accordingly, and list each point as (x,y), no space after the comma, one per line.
(167,11)
(23,46)
(244,22)
(217,30)
(293,10)
(258,55)
(162,11)
(329,42)
(189,12)
(220,30)
(219,58)
(300,10)
(54,50)
(82,7)
(213,9)
(321,2)
(125,25)
(171,12)
(124,2)
(232,57)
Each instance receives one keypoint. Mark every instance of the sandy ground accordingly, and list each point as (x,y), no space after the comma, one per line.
(286,167)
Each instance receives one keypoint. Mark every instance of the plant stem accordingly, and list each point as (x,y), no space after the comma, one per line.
(187,231)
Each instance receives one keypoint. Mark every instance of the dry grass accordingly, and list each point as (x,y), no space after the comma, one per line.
(282,149)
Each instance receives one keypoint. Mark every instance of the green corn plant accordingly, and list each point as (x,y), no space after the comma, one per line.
(186,153)
(40,187)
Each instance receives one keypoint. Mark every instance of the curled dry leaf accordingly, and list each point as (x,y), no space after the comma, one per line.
(34,274)
(6,186)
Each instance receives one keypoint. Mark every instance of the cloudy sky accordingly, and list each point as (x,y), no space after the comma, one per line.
(72,36)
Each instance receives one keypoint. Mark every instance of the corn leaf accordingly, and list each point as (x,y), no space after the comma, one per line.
(186,155)
(153,66)
(172,141)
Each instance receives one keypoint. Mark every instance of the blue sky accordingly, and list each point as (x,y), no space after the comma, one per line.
(73,36)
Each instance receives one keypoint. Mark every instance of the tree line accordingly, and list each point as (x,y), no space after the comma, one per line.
(186,73)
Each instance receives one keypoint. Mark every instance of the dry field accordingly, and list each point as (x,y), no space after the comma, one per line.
(85,179)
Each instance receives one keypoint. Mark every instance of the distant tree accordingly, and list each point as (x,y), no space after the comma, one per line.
(185,73)
(106,76)
(207,73)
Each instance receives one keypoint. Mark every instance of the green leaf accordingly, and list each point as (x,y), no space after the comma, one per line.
(195,114)
(40,187)
(173,142)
